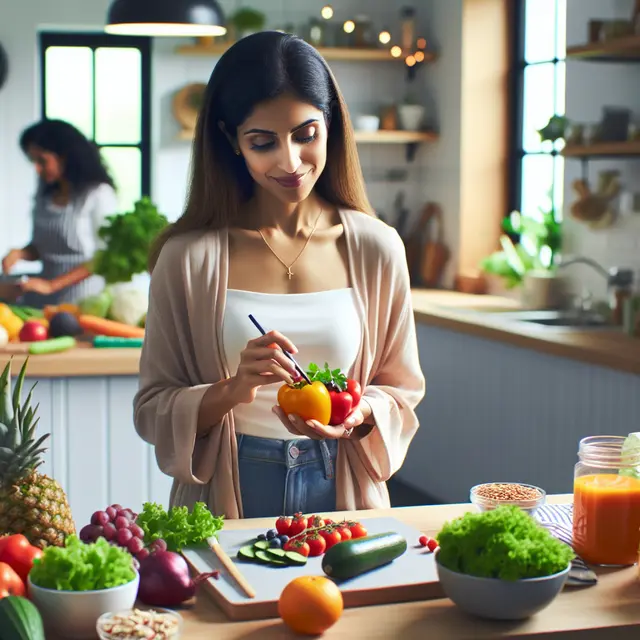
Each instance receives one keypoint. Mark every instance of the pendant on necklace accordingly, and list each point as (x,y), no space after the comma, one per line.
(289,273)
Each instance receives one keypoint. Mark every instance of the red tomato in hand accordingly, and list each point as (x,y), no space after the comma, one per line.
(19,554)
(344,531)
(341,405)
(331,537)
(298,525)
(357,530)
(317,545)
(283,525)
(355,391)
(299,546)
(10,582)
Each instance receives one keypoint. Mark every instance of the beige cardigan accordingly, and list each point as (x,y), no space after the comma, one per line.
(183,355)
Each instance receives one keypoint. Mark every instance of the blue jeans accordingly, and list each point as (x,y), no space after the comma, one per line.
(282,477)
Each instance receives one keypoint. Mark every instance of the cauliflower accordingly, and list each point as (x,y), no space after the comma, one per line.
(129,306)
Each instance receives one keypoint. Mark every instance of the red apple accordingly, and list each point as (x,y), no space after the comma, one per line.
(33,331)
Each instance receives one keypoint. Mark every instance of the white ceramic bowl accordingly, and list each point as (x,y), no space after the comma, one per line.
(496,599)
(367,123)
(73,614)
(105,618)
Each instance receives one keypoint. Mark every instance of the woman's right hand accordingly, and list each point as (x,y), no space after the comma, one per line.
(8,262)
(263,362)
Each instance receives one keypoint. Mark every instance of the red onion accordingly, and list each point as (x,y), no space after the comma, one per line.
(165,580)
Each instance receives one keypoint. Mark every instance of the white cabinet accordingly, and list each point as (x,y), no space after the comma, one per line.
(94,450)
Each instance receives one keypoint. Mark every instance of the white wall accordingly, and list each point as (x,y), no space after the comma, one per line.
(590,86)
(433,176)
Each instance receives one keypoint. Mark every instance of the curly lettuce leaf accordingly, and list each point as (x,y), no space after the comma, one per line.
(505,543)
(83,567)
(178,527)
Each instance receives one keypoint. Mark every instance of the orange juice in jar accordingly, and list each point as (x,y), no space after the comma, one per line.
(606,502)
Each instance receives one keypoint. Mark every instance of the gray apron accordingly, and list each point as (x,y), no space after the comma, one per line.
(62,235)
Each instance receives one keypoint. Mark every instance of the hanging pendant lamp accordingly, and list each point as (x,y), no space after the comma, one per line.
(174,18)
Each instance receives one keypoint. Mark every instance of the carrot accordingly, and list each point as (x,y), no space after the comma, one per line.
(101,327)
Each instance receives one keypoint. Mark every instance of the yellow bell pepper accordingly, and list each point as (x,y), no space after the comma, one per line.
(11,323)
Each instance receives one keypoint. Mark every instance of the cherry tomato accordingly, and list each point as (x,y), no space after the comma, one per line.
(355,391)
(10,582)
(331,537)
(423,540)
(298,525)
(344,531)
(315,522)
(328,521)
(317,545)
(283,525)
(19,554)
(432,544)
(357,530)
(341,406)
(299,546)
(309,401)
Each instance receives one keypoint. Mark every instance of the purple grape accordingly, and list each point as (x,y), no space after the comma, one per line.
(90,533)
(122,522)
(142,554)
(123,536)
(158,545)
(100,518)
(109,531)
(135,545)
(112,513)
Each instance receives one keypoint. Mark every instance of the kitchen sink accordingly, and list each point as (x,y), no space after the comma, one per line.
(569,319)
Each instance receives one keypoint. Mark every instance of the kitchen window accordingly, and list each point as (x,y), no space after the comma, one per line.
(102,85)
(539,93)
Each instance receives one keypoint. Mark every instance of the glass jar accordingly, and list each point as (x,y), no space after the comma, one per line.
(606,502)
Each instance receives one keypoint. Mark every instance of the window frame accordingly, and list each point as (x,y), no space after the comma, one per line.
(517,151)
(95,41)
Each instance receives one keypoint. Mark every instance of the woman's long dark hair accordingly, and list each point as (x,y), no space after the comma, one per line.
(83,164)
(257,68)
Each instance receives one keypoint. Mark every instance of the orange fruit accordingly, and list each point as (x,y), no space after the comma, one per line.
(310,604)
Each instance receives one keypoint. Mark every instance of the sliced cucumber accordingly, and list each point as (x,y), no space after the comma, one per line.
(247,553)
(292,557)
(279,554)
(261,544)
(267,558)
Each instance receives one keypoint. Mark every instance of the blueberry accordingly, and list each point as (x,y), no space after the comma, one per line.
(261,536)
(284,539)
(271,534)
(275,543)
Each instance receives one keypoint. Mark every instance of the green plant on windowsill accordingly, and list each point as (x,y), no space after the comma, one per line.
(247,20)
(540,240)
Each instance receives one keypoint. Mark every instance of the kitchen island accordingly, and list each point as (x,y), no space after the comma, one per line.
(608,610)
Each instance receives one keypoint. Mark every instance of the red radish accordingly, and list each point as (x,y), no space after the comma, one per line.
(165,580)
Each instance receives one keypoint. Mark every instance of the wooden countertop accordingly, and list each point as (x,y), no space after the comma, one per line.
(476,315)
(613,604)
(479,316)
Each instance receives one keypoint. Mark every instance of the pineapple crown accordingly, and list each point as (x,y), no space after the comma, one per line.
(20,452)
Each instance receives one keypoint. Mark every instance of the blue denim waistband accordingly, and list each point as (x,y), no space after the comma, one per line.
(290,453)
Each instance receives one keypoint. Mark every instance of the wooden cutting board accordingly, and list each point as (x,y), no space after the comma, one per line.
(413,576)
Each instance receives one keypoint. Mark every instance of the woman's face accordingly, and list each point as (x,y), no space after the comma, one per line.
(49,166)
(284,145)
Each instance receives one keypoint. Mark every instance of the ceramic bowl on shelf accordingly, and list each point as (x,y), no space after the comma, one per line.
(152,620)
(489,495)
(367,123)
(497,599)
(73,614)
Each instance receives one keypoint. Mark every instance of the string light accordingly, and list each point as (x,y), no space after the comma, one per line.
(419,56)
(396,51)
(384,37)
(327,12)
(349,26)
(422,43)
(411,61)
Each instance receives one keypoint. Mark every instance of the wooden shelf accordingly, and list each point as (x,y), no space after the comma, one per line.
(328,53)
(371,137)
(625,49)
(603,150)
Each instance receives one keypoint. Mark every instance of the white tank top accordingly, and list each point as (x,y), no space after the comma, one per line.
(324,326)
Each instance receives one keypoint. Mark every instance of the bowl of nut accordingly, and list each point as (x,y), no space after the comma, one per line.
(161,624)
(490,495)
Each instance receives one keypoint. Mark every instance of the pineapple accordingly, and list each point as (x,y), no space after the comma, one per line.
(30,502)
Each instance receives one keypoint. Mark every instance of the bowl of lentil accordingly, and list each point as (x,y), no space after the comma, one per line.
(490,495)
(160,624)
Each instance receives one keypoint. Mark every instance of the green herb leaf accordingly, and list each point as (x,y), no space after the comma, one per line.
(178,527)
(504,543)
(83,567)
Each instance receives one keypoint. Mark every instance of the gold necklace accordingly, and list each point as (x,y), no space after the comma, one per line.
(280,260)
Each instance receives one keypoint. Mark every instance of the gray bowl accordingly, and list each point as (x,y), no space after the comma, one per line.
(500,599)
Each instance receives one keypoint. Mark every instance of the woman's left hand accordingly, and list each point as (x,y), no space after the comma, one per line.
(313,429)
(38,285)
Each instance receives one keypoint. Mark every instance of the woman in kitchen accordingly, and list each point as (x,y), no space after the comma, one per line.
(74,195)
(277,224)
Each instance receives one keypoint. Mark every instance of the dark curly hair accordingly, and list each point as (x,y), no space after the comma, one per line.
(83,165)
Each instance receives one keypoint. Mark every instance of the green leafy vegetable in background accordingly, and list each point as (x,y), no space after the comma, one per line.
(83,567)
(128,238)
(504,543)
(178,527)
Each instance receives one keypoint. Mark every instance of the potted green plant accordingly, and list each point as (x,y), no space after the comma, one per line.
(246,21)
(530,262)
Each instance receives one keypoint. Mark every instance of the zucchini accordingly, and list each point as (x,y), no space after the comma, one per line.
(351,558)
(54,345)
(20,620)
